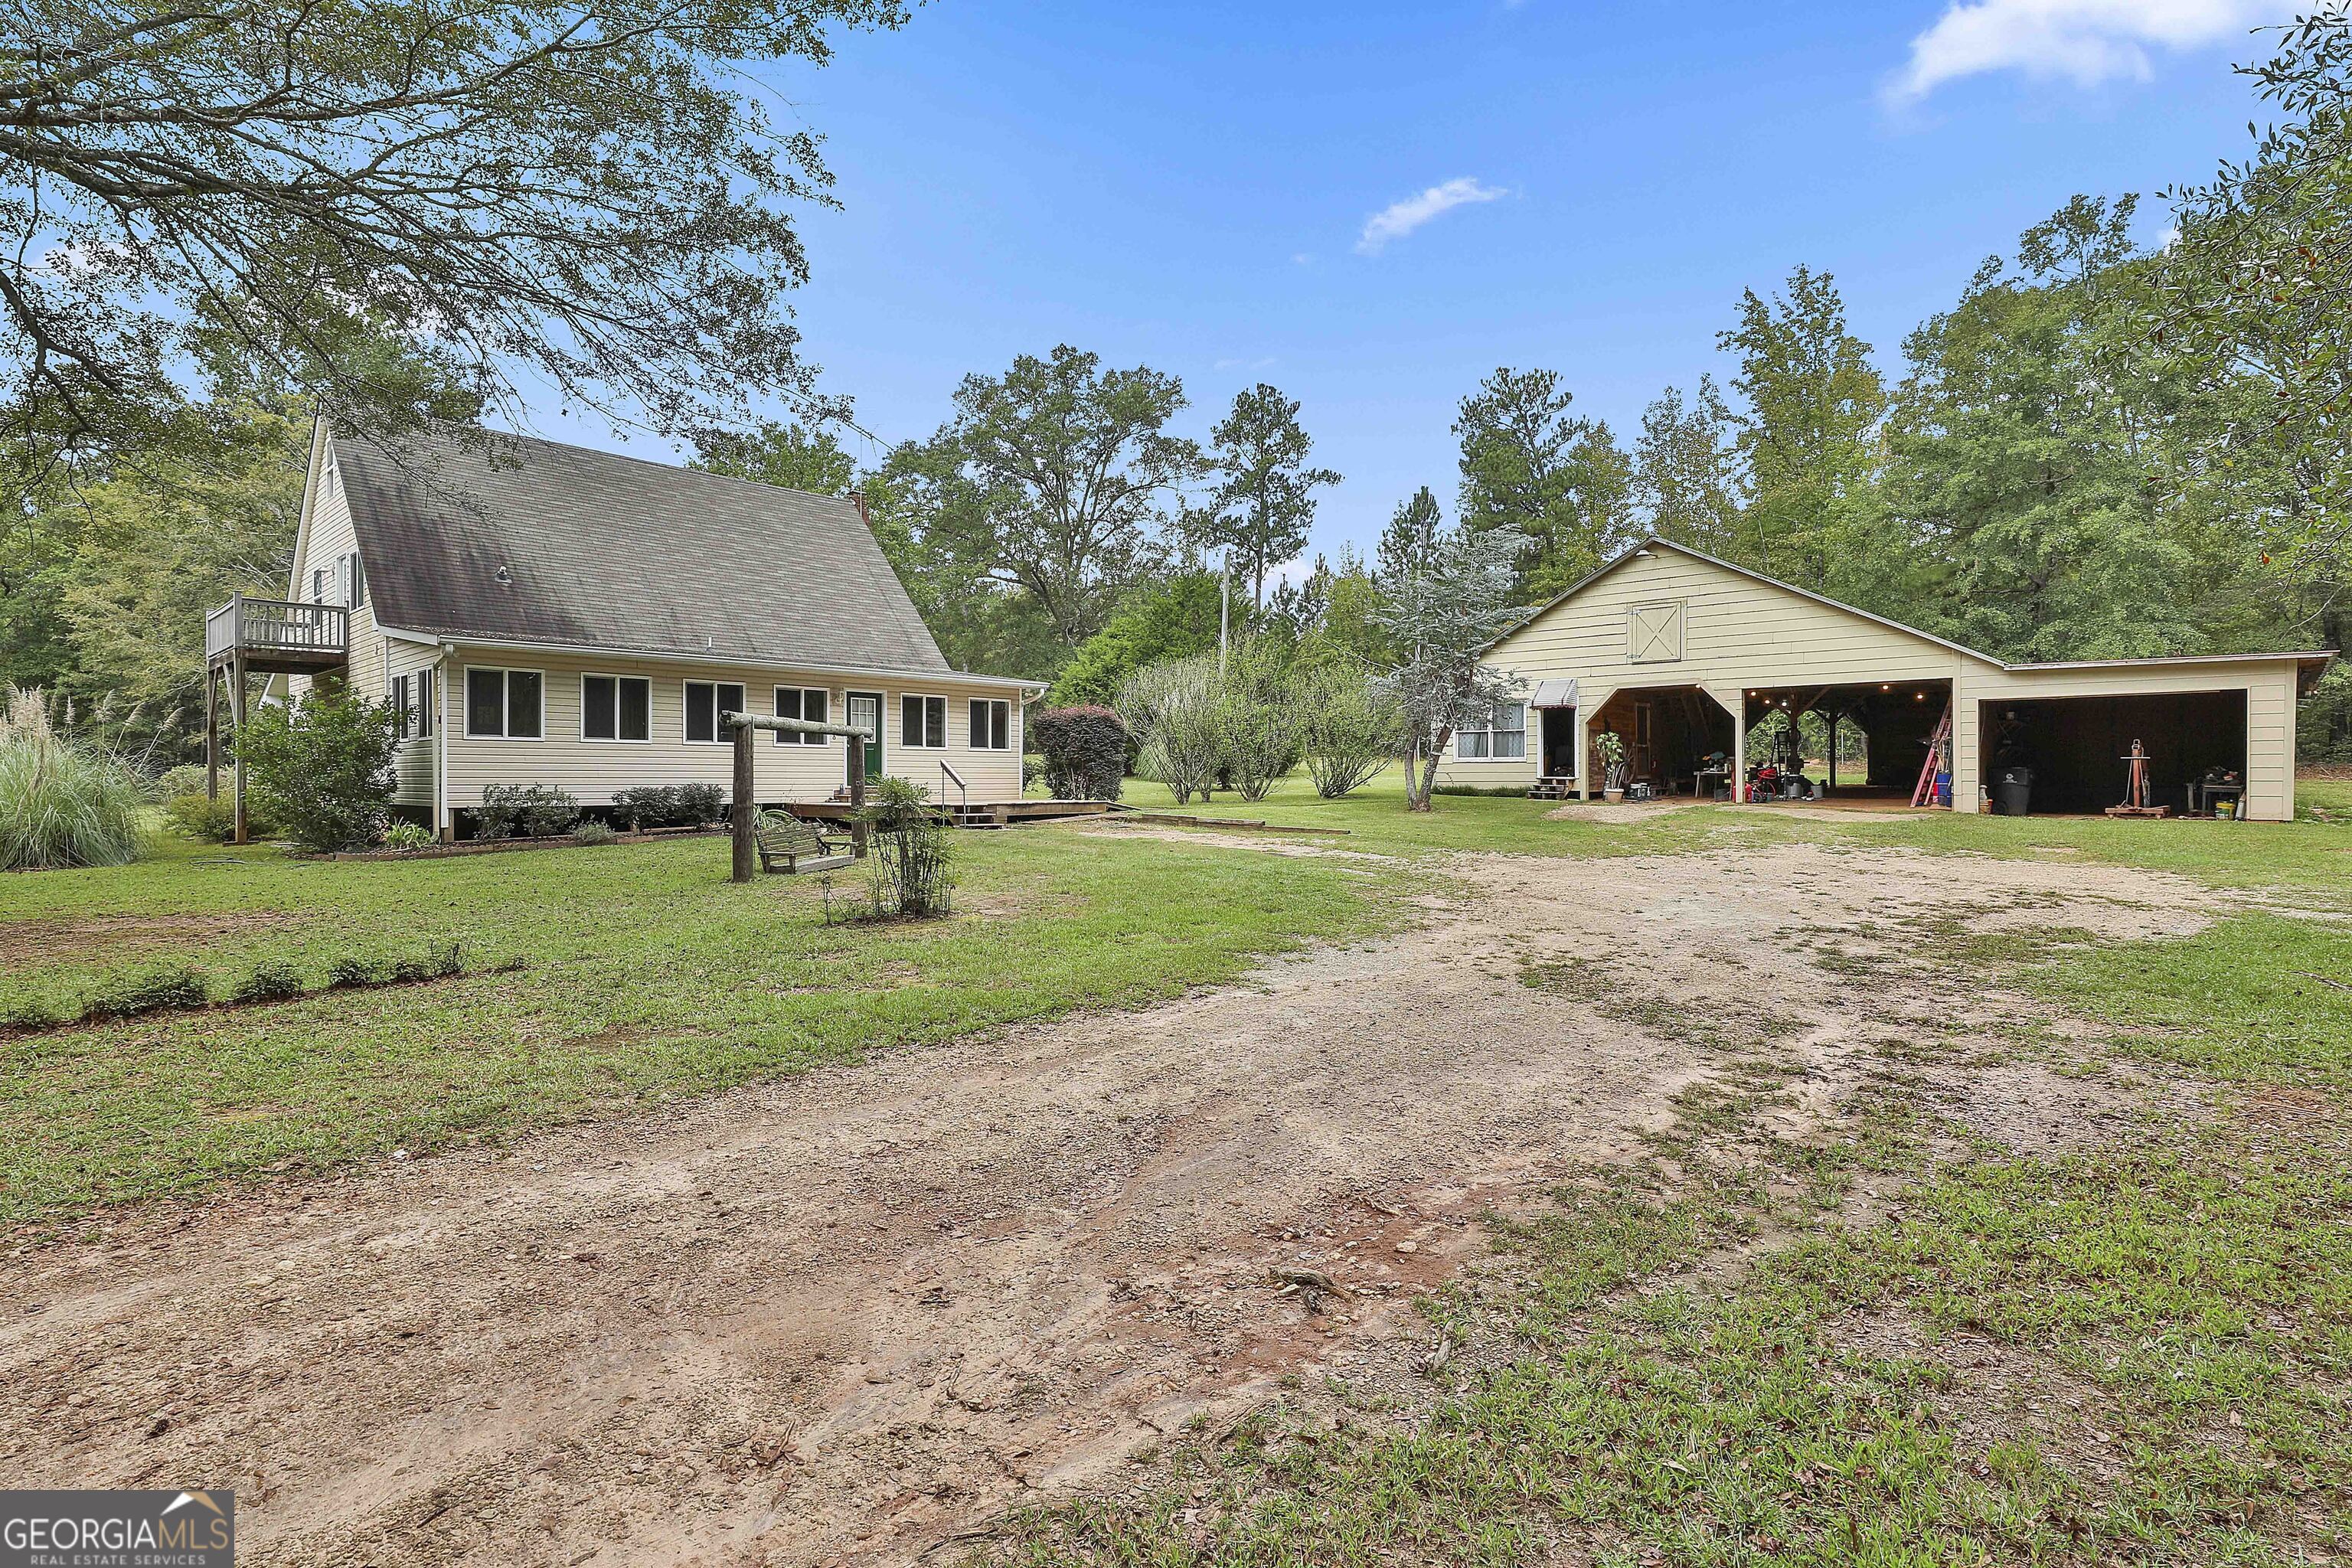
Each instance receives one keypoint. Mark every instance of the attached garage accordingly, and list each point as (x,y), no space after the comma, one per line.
(1681,656)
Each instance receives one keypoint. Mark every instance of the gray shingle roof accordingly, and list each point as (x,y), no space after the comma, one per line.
(606,551)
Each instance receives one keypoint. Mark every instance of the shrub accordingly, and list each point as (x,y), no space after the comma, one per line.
(182,987)
(1084,749)
(269,983)
(406,834)
(647,806)
(1257,715)
(908,855)
(594,832)
(323,767)
(1171,708)
(188,778)
(536,810)
(700,804)
(348,972)
(63,802)
(1350,727)
(215,820)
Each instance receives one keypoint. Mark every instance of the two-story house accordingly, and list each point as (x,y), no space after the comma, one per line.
(543,613)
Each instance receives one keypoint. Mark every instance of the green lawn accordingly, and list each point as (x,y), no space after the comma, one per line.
(2138,1352)
(646,975)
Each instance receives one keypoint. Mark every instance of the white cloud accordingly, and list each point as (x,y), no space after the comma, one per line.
(2084,41)
(1401,219)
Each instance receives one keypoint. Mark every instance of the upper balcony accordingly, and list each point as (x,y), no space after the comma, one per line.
(279,637)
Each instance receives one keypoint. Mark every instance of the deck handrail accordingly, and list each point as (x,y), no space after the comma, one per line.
(963,791)
(277,626)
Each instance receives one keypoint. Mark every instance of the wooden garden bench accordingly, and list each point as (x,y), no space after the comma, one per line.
(791,845)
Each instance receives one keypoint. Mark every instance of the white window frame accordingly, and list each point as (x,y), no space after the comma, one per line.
(718,736)
(972,737)
(506,703)
(791,738)
(926,698)
(1486,751)
(615,738)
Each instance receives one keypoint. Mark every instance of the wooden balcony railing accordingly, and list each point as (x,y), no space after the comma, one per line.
(268,629)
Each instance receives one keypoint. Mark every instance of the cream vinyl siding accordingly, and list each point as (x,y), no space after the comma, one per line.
(1737,634)
(329,538)
(413,759)
(592,769)
(2269,686)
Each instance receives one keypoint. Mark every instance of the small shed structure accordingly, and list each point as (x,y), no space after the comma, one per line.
(1681,655)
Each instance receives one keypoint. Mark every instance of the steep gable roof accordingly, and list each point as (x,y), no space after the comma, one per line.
(524,540)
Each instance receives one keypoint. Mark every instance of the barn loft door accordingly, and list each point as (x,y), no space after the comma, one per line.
(1654,633)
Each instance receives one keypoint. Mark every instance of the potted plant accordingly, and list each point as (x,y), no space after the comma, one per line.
(1611,749)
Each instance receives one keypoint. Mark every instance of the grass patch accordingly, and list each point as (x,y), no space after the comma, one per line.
(647,978)
(2139,1354)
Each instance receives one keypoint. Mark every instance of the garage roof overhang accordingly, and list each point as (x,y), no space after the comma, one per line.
(2310,663)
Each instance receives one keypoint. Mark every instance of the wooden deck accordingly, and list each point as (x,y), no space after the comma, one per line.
(974,814)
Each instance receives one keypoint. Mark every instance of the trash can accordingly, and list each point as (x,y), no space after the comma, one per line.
(2011,792)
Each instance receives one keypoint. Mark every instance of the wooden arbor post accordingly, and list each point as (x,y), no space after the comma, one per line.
(744,810)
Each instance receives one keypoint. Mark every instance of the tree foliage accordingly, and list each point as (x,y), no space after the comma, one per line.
(1263,500)
(1445,597)
(785,452)
(1057,478)
(1530,466)
(323,766)
(574,191)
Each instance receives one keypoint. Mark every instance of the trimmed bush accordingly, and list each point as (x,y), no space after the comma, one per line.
(1084,749)
(269,983)
(182,986)
(647,806)
(700,804)
(323,767)
(349,974)
(62,802)
(594,832)
(535,811)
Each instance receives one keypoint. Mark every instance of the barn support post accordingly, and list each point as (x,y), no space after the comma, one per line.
(747,861)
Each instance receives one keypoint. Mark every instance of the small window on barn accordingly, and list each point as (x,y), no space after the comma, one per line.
(1654,633)
(1504,738)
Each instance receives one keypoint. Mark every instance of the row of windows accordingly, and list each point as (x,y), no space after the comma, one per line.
(511,704)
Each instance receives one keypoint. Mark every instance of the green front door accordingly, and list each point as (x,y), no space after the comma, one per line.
(864,713)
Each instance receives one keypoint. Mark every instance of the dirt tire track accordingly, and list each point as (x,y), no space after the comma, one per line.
(844,1315)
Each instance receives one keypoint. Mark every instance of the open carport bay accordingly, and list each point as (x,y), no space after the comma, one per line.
(2077,745)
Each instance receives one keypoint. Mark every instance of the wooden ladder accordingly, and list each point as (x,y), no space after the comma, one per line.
(1924,792)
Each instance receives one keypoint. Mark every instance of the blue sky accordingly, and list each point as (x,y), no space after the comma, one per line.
(1189,187)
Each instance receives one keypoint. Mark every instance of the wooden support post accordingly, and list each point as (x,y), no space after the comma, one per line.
(747,860)
(858,795)
(1740,751)
(236,735)
(212,733)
